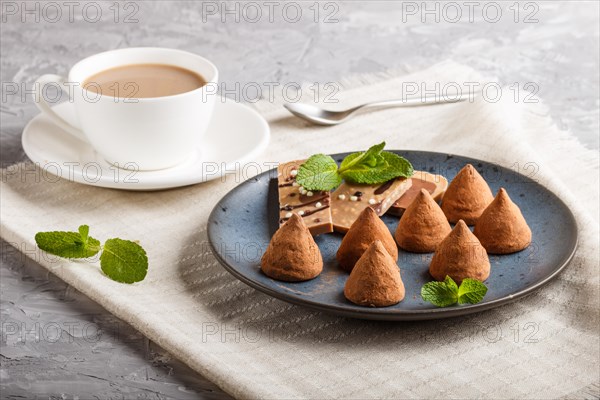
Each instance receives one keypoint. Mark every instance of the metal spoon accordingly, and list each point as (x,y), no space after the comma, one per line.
(320,116)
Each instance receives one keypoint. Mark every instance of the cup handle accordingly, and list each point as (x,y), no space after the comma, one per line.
(44,107)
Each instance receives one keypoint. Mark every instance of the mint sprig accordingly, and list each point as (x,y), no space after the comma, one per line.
(68,244)
(447,293)
(392,166)
(471,291)
(441,294)
(124,261)
(320,172)
(121,260)
(371,158)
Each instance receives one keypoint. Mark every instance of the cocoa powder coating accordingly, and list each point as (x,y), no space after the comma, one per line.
(367,228)
(423,225)
(375,280)
(502,229)
(292,254)
(460,255)
(467,196)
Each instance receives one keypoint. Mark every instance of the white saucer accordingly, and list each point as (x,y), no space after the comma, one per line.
(236,135)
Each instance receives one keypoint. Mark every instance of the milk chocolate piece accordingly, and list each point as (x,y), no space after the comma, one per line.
(435,184)
(349,200)
(313,207)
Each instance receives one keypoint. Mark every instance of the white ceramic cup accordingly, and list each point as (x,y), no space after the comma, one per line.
(145,133)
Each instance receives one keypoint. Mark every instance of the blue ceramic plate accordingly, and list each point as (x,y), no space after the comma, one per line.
(241,225)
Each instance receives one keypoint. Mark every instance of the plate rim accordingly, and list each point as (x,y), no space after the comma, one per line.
(397,315)
(186,179)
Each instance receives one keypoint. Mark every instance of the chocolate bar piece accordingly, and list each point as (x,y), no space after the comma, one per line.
(349,200)
(313,207)
(435,184)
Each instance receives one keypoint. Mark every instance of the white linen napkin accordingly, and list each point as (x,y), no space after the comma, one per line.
(254,346)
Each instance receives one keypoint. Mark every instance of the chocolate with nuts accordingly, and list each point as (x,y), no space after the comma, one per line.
(349,200)
(313,207)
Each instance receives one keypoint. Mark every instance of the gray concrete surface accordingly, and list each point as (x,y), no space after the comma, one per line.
(56,343)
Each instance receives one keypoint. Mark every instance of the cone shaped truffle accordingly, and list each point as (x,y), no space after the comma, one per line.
(460,255)
(467,196)
(367,228)
(375,280)
(422,226)
(501,229)
(292,254)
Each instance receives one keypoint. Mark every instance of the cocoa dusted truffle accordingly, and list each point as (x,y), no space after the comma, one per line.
(375,280)
(292,254)
(367,228)
(422,226)
(502,229)
(467,196)
(460,255)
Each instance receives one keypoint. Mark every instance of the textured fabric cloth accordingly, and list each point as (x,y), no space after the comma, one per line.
(251,345)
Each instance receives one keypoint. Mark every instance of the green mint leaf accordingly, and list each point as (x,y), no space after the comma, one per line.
(84,231)
(319,172)
(441,294)
(447,293)
(363,167)
(393,167)
(124,261)
(68,244)
(397,166)
(374,166)
(451,284)
(471,291)
(363,160)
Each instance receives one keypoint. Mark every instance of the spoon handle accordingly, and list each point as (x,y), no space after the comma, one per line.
(420,101)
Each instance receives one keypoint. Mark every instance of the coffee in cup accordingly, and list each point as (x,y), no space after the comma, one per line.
(142,108)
